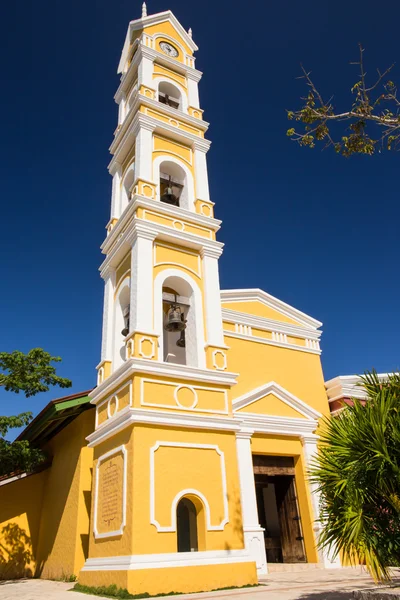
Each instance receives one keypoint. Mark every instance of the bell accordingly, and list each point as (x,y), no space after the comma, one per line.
(169,197)
(125,331)
(174,319)
(182,341)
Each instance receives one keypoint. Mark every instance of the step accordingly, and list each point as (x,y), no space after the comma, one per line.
(292,567)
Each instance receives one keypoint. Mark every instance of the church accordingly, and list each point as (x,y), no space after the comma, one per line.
(185,468)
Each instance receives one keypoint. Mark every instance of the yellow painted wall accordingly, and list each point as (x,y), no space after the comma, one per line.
(165,146)
(288,446)
(298,372)
(20,508)
(271,405)
(161,71)
(169,30)
(254,307)
(64,524)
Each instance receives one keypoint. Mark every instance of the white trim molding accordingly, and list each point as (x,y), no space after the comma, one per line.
(282,394)
(102,458)
(167,560)
(182,493)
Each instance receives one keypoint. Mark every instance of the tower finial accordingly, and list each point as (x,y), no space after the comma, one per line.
(190,32)
(144,10)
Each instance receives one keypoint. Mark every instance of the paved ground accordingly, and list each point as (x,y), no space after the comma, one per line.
(316,584)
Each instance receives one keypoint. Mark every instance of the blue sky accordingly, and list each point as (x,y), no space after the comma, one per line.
(314,229)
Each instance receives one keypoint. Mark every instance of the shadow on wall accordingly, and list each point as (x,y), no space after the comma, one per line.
(15,553)
(236,520)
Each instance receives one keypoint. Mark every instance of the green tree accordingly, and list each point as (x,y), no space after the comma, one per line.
(29,373)
(357,473)
(370,123)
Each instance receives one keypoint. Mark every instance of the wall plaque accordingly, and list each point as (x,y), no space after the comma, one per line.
(110,493)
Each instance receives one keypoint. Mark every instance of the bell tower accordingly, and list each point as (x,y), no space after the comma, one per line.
(166,491)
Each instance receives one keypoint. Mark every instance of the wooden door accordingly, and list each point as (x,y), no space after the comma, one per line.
(289,520)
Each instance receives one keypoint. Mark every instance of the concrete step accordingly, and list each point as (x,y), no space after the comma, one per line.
(292,567)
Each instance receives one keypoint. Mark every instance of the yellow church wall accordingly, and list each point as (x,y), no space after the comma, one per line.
(290,446)
(177,224)
(170,481)
(122,269)
(258,309)
(271,405)
(168,29)
(178,395)
(166,255)
(64,523)
(161,71)
(298,372)
(20,509)
(165,146)
(171,121)
(175,579)
(119,400)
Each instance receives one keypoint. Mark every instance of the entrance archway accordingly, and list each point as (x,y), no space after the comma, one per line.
(186,526)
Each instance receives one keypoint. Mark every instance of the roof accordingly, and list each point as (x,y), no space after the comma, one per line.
(153,20)
(244,295)
(56,415)
(347,386)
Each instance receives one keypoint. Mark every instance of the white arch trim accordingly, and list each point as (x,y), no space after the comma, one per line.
(188,491)
(189,178)
(198,304)
(183,92)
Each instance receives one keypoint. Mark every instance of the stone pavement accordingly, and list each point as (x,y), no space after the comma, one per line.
(312,584)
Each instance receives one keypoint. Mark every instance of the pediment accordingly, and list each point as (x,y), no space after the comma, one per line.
(273,400)
(257,303)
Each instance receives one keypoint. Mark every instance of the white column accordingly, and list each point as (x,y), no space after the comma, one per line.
(116,191)
(144,153)
(141,300)
(201,174)
(193,90)
(310,451)
(212,297)
(108,310)
(121,109)
(253,533)
(145,69)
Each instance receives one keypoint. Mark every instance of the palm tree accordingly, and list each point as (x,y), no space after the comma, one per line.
(357,472)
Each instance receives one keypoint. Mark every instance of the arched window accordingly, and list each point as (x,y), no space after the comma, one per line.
(121,324)
(170,95)
(173,184)
(186,526)
(127,183)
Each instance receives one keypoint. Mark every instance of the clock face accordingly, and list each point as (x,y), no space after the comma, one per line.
(168,49)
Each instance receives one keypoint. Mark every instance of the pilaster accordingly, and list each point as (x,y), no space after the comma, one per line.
(212,297)
(141,293)
(310,451)
(143,151)
(253,533)
(116,191)
(200,163)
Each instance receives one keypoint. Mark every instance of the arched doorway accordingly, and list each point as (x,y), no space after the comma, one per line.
(186,521)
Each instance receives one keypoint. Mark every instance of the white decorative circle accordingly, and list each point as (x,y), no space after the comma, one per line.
(178,225)
(186,387)
(111,412)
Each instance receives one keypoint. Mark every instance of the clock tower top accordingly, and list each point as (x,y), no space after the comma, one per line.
(178,43)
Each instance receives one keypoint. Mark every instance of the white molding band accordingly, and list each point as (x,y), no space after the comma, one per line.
(261,340)
(102,458)
(167,560)
(265,324)
(182,493)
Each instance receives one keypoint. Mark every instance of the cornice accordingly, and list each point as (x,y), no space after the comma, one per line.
(277,425)
(246,295)
(300,331)
(154,205)
(141,120)
(260,340)
(348,386)
(161,232)
(138,416)
(161,369)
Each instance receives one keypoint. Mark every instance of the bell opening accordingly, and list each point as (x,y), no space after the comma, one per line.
(170,191)
(174,332)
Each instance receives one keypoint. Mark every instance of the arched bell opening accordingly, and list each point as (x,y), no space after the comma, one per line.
(169,95)
(126,188)
(173,184)
(186,526)
(121,324)
(175,317)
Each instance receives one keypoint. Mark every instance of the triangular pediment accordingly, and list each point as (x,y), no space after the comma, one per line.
(272,399)
(258,303)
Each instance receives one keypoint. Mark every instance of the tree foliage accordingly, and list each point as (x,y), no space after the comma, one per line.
(30,373)
(370,124)
(358,475)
